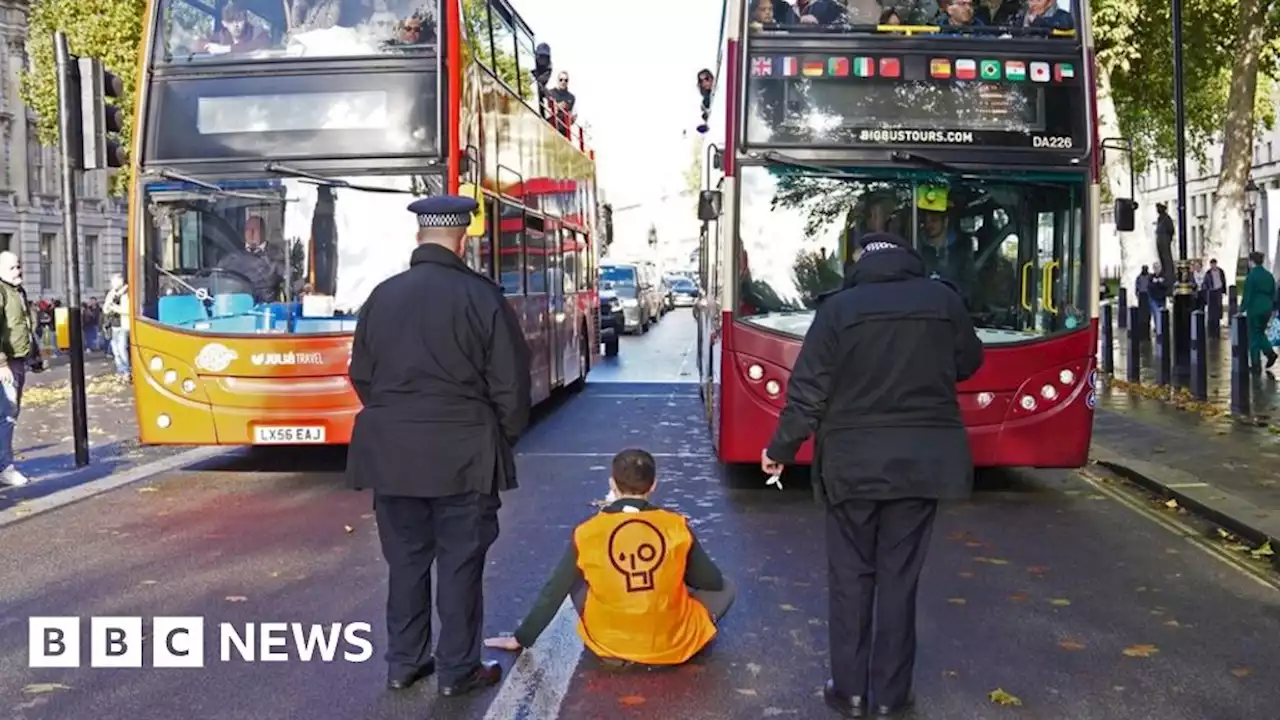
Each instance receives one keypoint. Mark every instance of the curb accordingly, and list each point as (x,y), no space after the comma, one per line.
(28,509)
(1230,511)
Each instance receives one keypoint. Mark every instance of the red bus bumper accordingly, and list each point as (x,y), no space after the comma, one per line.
(1031,405)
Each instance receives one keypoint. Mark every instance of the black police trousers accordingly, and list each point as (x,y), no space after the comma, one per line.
(875,550)
(455,533)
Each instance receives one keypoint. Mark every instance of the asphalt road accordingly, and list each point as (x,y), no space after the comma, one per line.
(1047,589)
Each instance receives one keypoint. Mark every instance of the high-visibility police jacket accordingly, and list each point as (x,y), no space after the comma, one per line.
(638,562)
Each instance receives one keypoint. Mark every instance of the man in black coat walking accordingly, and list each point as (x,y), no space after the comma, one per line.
(875,383)
(442,368)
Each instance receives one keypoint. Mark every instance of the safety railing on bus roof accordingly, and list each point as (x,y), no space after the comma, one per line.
(978,30)
(563,122)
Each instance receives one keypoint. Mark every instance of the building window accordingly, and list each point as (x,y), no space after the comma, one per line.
(47,241)
(6,152)
(6,241)
(90,268)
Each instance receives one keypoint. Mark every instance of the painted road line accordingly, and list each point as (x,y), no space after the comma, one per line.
(30,508)
(1178,486)
(539,679)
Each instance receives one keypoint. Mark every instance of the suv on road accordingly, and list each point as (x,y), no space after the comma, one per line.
(635,292)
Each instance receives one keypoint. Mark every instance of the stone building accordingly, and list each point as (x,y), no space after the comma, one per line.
(30,188)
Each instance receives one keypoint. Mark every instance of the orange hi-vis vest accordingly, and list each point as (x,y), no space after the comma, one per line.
(637,606)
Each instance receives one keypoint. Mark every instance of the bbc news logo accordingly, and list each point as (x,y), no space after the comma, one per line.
(179,642)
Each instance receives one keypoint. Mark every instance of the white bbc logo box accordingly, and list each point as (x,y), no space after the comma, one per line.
(178,642)
(115,642)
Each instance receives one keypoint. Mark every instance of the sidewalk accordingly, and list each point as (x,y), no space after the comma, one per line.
(44,444)
(1224,470)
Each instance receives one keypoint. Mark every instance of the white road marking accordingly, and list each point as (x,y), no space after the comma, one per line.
(1176,486)
(539,680)
(30,508)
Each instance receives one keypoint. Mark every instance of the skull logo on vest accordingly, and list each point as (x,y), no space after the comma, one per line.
(637,549)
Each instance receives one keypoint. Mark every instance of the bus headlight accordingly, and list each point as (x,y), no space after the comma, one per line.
(188,385)
(755,372)
(1049,392)
(1027,402)
(773,388)
(985,398)
(1066,377)
(170,377)
(157,364)
(163,421)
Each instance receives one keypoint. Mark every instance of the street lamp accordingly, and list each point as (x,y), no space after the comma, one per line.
(1251,202)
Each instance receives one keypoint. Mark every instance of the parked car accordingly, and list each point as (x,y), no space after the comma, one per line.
(684,292)
(636,295)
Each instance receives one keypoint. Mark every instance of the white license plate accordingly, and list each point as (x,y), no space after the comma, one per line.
(296,435)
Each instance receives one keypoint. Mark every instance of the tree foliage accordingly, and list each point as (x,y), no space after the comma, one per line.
(110,30)
(500,56)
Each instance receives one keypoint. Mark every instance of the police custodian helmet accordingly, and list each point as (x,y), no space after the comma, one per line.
(444,211)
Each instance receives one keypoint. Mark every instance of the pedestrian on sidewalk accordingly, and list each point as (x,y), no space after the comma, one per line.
(875,384)
(115,313)
(646,591)
(1258,302)
(442,368)
(19,352)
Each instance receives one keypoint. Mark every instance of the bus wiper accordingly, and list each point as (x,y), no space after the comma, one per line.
(777,157)
(175,176)
(903,156)
(280,169)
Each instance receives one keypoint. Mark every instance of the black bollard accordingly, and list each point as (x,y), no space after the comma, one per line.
(1133,366)
(1122,305)
(1108,341)
(1199,357)
(1164,348)
(1233,305)
(1239,364)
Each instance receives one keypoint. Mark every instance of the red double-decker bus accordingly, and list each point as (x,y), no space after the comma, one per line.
(978,145)
(277,148)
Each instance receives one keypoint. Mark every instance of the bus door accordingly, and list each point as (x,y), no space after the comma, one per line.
(557,328)
(1050,234)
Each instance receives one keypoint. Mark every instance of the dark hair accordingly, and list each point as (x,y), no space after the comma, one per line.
(1257,258)
(634,472)
(888,13)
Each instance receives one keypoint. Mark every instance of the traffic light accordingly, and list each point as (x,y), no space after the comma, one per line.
(102,121)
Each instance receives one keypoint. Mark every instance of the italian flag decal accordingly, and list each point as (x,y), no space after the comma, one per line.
(864,67)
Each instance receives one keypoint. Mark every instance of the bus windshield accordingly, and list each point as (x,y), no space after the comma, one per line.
(247,30)
(276,255)
(1013,245)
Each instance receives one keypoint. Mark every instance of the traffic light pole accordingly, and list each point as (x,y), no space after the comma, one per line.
(69,142)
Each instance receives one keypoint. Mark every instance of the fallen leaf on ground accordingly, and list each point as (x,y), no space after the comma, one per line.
(1172,504)
(1060,602)
(149,582)
(1017,597)
(973,543)
(631,700)
(956,601)
(950,674)
(1241,672)
(348,529)
(788,608)
(747,691)
(237,598)
(42,688)
(1037,569)
(1172,623)
(1000,697)
(1071,645)
(1142,651)
(1264,551)
(147,489)
(991,561)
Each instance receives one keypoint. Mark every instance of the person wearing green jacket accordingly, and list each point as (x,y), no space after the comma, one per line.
(18,353)
(1258,304)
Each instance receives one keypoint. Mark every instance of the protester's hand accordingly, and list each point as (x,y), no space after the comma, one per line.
(768,464)
(505,642)
(6,374)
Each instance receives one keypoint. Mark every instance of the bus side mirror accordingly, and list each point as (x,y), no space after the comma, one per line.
(709,205)
(1125,211)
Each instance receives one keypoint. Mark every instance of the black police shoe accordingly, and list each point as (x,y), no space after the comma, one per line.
(405,679)
(486,673)
(853,706)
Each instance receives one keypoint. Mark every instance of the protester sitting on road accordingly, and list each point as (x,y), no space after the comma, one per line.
(645,590)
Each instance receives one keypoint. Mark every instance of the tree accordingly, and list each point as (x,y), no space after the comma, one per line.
(499,57)
(110,30)
(693,174)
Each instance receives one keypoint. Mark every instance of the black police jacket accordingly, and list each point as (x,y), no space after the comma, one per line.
(875,384)
(443,370)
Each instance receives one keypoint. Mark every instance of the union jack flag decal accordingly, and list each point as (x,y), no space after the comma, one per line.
(761,67)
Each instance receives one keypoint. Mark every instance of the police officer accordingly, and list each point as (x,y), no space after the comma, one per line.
(442,368)
(875,383)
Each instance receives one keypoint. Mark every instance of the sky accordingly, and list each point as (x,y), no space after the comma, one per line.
(634,72)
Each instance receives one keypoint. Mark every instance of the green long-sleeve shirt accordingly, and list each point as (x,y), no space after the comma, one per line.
(16,338)
(700,573)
